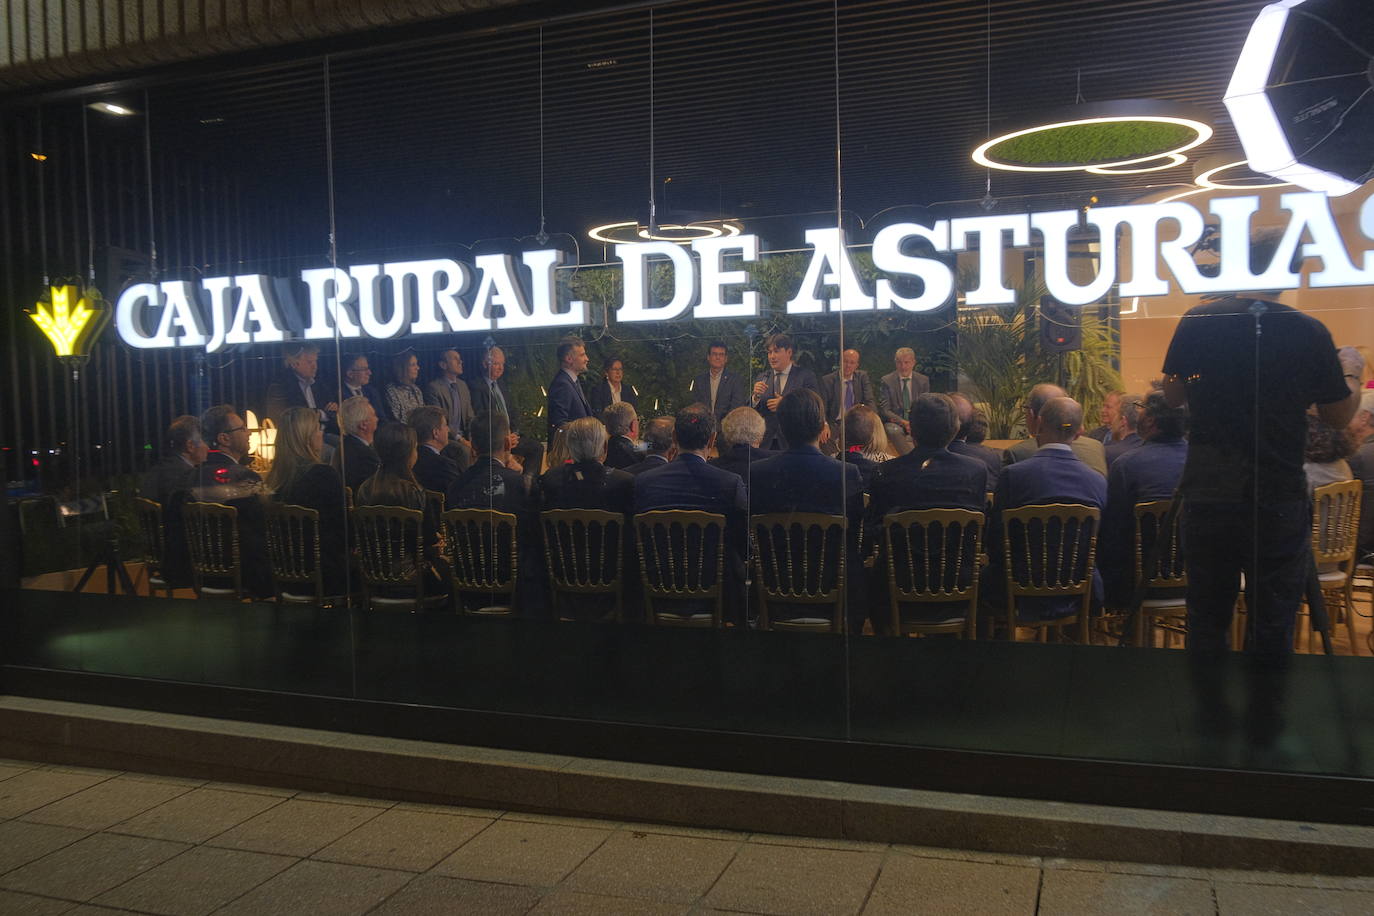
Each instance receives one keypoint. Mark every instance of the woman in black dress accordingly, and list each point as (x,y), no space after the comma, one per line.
(299,478)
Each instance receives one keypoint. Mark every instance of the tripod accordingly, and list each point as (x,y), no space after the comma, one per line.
(108,555)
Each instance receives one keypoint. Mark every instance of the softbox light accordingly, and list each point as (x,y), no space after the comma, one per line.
(1302,94)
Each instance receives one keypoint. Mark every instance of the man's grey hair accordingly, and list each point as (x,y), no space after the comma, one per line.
(904,351)
(619,417)
(586,439)
(486,357)
(1132,409)
(742,426)
(352,412)
(658,434)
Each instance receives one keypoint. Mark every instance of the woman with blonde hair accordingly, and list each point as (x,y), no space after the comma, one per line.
(299,478)
(865,441)
(394,484)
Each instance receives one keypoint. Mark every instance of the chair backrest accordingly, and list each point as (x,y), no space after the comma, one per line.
(485,556)
(212,537)
(800,558)
(933,555)
(583,548)
(1168,569)
(148,512)
(434,502)
(1336,521)
(681,557)
(1050,550)
(293,547)
(391,549)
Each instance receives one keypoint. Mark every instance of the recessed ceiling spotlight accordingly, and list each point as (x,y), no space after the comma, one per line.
(112,109)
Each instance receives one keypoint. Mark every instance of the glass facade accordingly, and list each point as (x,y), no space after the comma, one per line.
(651,368)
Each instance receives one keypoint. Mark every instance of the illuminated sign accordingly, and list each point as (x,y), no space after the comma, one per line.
(71,321)
(442,296)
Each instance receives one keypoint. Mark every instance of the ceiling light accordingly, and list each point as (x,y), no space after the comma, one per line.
(683,233)
(39,157)
(112,108)
(1171,161)
(1209,169)
(1097,136)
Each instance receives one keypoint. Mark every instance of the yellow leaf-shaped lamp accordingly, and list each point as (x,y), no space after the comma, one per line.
(72,319)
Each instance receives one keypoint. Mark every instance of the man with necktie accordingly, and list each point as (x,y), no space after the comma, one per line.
(567,400)
(897,393)
(450,394)
(782,376)
(848,387)
(492,394)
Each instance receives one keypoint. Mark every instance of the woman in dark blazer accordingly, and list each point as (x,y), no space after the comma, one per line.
(612,388)
(299,478)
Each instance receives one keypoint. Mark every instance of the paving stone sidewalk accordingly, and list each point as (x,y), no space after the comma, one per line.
(85,841)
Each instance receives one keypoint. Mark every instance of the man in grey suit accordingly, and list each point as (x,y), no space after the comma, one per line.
(450,394)
(897,392)
(848,387)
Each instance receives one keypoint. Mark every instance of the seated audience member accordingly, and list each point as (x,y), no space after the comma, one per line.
(1148,473)
(973,423)
(1052,474)
(1361,436)
(401,393)
(1107,414)
(168,482)
(738,443)
(495,480)
(357,382)
(355,458)
(299,478)
(394,484)
(587,483)
(865,442)
(224,479)
(658,437)
(622,424)
(1088,450)
(800,478)
(296,386)
(1324,460)
(557,454)
(1126,436)
(433,469)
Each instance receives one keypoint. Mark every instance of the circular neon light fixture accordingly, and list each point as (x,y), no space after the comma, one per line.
(634,231)
(1171,161)
(1099,136)
(1207,178)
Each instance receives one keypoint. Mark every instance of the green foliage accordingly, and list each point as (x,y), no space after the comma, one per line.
(1087,144)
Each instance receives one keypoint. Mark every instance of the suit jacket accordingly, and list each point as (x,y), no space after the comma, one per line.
(797,377)
(488,484)
(168,477)
(620,453)
(1051,475)
(740,459)
(832,391)
(731,392)
(802,479)
(588,485)
(356,461)
(1115,448)
(438,393)
(567,402)
(648,464)
(285,391)
(890,394)
(374,397)
(225,481)
(1089,451)
(320,488)
(1150,472)
(989,456)
(483,402)
(435,471)
(867,466)
(925,478)
(169,481)
(600,398)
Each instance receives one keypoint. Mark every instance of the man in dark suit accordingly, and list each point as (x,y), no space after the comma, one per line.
(1053,474)
(622,425)
(848,387)
(357,382)
(567,400)
(782,376)
(897,391)
(1088,450)
(168,483)
(658,439)
(1144,474)
(491,393)
(296,386)
(433,469)
(450,393)
(223,479)
(801,479)
(495,480)
(718,388)
(588,483)
(355,459)
(738,442)
(1125,436)
(961,446)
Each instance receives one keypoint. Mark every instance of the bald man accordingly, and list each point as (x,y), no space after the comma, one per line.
(1088,450)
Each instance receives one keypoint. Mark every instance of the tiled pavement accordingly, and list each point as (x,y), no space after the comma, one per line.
(83,841)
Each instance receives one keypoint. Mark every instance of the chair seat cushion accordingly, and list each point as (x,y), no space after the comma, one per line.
(494,610)
(1157,604)
(208,592)
(683,618)
(1333,577)
(804,622)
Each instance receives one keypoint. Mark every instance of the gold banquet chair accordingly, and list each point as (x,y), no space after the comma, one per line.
(584,549)
(1335,536)
(293,550)
(682,561)
(212,536)
(799,561)
(933,559)
(1168,612)
(484,559)
(391,558)
(1049,552)
(148,513)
